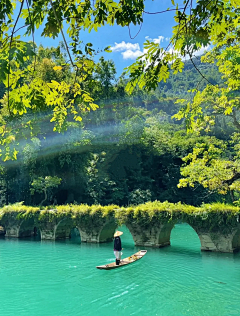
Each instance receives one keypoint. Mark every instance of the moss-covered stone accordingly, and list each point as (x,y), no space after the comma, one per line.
(217,225)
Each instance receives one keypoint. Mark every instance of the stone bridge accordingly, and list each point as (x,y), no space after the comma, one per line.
(98,228)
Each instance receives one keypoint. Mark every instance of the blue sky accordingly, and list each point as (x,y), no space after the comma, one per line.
(157,27)
(125,50)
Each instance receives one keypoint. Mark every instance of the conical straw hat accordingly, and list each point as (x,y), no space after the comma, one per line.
(118,233)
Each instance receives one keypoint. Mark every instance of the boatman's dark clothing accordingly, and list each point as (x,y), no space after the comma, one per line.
(117,244)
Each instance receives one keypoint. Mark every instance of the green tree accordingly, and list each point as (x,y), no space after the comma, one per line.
(104,75)
(215,165)
(197,25)
(44,185)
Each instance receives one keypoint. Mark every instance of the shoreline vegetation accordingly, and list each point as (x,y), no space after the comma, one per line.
(131,150)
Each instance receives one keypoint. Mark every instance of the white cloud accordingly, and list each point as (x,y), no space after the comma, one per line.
(199,52)
(123,46)
(158,40)
(130,54)
(128,50)
(132,51)
(202,50)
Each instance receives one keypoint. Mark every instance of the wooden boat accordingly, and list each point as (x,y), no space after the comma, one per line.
(138,255)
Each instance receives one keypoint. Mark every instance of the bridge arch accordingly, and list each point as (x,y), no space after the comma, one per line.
(2,231)
(135,233)
(164,234)
(184,235)
(127,237)
(236,241)
(28,228)
(65,228)
(107,231)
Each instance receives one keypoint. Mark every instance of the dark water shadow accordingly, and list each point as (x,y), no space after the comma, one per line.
(32,238)
(174,251)
(73,238)
(211,255)
(181,250)
(22,239)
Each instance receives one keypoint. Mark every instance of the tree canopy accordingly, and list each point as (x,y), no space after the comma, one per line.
(129,151)
(197,25)
(53,89)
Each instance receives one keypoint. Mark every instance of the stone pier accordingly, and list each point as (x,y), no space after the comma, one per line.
(2,231)
(12,231)
(152,235)
(219,242)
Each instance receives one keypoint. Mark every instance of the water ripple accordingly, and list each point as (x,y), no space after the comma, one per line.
(59,279)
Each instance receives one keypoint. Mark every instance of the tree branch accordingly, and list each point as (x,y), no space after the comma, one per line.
(235,122)
(137,32)
(190,53)
(10,46)
(234,178)
(163,11)
(32,26)
(64,39)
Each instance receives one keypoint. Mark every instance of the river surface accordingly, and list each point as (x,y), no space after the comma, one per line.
(44,278)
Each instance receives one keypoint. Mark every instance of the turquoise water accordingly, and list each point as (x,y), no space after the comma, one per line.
(60,278)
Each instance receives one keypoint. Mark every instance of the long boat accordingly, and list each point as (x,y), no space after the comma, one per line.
(138,255)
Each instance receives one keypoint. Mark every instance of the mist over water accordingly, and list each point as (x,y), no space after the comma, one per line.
(60,278)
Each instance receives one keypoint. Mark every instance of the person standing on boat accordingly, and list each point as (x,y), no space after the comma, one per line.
(117,246)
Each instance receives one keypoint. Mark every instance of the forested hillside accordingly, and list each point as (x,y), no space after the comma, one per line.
(127,151)
(195,75)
